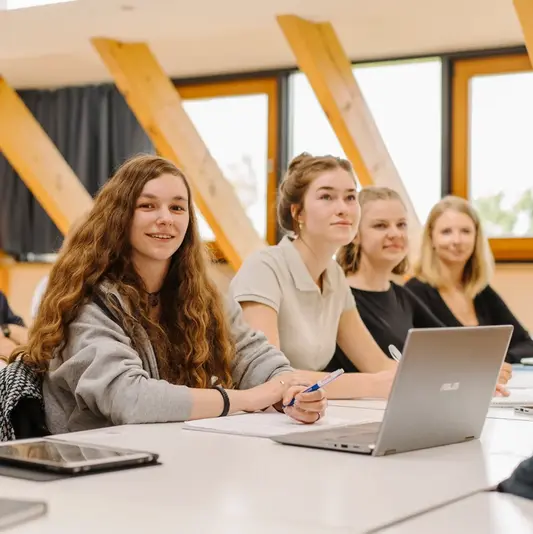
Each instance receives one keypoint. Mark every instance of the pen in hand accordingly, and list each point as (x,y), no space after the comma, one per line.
(321,383)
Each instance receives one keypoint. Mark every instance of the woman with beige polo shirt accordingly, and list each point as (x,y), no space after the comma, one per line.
(298,295)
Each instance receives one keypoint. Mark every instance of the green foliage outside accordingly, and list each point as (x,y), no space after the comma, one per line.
(501,221)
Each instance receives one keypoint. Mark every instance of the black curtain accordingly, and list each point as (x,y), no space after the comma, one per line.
(95,131)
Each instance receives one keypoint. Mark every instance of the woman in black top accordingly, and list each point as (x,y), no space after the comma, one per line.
(378,253)
(453,273)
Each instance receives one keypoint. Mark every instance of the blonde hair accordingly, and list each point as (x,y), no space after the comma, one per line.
(479,267)
(349,256)
(303,169)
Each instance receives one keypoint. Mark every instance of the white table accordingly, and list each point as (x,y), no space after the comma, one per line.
(483,513)
(222,483)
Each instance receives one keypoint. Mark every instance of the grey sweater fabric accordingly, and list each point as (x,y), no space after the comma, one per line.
(99,380)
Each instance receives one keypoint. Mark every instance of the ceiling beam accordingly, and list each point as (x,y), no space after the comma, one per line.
(524,11)
(39,163)
(321,58)
(155,101)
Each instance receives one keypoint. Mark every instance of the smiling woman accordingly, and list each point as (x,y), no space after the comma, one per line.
(296,293)
(158,228)
(131,329)
(370,261)
(453,274)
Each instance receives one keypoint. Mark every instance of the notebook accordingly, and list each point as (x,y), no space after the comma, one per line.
(366,403)
(15,511)
(261,425)
(517,397)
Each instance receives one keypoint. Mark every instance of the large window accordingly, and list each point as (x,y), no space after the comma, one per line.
(492,165)
(237,121)
(405,101)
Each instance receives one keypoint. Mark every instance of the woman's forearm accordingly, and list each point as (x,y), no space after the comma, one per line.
(210,403)
(352,385)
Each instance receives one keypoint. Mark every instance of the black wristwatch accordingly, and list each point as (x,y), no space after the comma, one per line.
(6,330)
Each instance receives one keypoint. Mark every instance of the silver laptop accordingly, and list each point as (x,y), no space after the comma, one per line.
(441,394)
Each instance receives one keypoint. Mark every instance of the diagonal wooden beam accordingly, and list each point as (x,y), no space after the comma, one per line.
(321,58)
(158,107)
(38,161)
(524,11)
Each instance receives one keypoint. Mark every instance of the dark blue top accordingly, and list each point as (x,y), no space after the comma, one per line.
(6,313)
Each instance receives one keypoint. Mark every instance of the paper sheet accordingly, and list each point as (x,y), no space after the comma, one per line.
(517,397)
(263,425)
(367,403)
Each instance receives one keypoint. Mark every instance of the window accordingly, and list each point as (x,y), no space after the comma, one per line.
(405,100)
(493,126)
(238,123)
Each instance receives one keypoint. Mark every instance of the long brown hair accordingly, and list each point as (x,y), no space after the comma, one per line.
(192,340)
(349,256)
(302,170)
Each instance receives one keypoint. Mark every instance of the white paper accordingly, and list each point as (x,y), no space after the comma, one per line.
(367,403)
(263,425)
(517,397)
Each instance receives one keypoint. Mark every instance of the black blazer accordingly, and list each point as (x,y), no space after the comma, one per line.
(490,310)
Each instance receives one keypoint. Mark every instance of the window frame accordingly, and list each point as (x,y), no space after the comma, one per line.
(503,248)
(244,87)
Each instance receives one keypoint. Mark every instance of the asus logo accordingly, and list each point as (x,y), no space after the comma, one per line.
(452,386)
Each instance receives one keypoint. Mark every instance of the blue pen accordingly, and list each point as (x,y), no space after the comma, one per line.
(321,383)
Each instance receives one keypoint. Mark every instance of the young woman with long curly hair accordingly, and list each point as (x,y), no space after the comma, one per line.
(132,330)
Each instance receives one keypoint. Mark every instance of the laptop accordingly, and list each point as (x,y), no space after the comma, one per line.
(441,394)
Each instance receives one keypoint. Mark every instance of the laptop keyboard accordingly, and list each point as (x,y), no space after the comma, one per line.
(363,434)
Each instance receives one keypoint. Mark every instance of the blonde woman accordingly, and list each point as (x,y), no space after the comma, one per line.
(296,293)
(454,270)
(371,261)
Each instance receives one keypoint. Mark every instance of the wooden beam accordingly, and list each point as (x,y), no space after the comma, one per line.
(158,107)
(38,161)
(320,56)
(524,11)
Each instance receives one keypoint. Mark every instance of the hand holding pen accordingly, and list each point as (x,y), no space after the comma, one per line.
(320,384)
(300,402)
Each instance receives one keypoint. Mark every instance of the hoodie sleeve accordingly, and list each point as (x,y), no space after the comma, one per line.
(105,375)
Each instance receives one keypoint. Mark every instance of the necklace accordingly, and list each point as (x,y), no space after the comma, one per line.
(153,299)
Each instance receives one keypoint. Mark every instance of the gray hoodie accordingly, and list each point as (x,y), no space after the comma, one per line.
(99,380)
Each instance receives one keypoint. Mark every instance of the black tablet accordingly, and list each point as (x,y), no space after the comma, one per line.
(69,457)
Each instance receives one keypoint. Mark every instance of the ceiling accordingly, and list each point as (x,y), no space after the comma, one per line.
(49,46)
